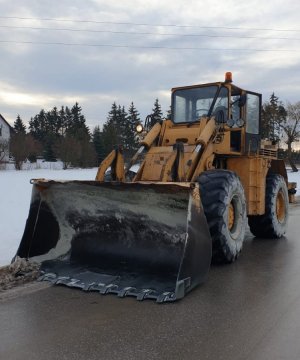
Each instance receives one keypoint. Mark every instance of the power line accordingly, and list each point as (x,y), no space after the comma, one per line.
(147,24)
(148,33)
(144,47)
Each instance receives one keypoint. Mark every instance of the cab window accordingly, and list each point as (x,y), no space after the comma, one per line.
(252,111)
(191,104)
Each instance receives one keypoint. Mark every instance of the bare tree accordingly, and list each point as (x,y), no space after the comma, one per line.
(21,147)
(67,150)
(291,129)
(18,149)
(75,152)
(34,148)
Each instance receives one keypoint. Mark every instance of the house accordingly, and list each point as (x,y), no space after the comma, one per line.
(5,133)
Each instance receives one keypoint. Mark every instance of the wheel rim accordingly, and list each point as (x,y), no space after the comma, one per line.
(234,221)
(280,207)
(231,216)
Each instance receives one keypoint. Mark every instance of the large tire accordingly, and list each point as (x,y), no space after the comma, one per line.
(274,222)
(224,205)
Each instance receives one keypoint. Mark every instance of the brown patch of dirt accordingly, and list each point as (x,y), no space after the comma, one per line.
(19,272)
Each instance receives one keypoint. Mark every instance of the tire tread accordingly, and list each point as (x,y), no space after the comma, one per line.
(215,186)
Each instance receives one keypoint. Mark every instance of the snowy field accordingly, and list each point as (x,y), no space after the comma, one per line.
(15,194)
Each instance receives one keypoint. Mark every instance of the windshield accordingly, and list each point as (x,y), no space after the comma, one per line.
(190,104)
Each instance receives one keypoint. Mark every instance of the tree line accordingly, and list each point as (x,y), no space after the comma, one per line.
(63,134)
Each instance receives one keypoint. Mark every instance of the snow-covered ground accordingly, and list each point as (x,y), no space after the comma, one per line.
(15,194)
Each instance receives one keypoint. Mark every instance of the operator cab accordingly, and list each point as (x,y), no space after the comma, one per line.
(230,105)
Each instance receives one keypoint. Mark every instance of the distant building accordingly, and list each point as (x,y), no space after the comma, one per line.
(5,133)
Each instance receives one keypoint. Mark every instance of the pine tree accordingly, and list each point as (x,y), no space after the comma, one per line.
(18,148)
(168,114)
(68,118)
(37,126)
(37,129)
(154,117)
(53,121)
(98,144)
(76,125)
(130,131)
(62,121)
(19,126)
(119,129)
(156,111)
(48,127)
(53,129)
(122,127)
(273,114)
(112,129)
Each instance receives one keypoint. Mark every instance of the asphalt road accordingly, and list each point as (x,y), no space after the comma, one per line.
(247,310)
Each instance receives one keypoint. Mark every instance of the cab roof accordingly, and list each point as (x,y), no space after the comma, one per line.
(219,83)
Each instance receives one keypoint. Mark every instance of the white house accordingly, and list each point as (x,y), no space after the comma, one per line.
(5,133)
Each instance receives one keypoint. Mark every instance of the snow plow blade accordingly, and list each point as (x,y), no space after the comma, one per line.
(148,240)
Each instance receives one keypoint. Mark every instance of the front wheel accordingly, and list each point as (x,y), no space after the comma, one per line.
(224,205)
(273,223)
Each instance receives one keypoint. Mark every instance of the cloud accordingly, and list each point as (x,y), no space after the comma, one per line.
(41,76)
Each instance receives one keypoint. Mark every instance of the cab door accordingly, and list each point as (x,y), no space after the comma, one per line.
(253,120)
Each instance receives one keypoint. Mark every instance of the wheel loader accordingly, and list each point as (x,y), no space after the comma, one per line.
(153,233)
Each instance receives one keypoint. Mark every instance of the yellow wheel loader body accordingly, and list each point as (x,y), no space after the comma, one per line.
(154,234)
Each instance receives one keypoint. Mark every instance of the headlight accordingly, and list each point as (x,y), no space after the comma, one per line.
(139,128)
(230,122)
(240,122)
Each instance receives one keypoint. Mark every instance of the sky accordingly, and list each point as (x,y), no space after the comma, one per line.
(96,52)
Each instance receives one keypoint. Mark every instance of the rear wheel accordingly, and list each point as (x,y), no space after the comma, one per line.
(274,222)
(224,205)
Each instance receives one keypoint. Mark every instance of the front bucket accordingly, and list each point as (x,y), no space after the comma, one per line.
(148,240)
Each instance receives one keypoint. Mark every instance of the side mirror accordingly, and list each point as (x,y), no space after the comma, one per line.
(242,100)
